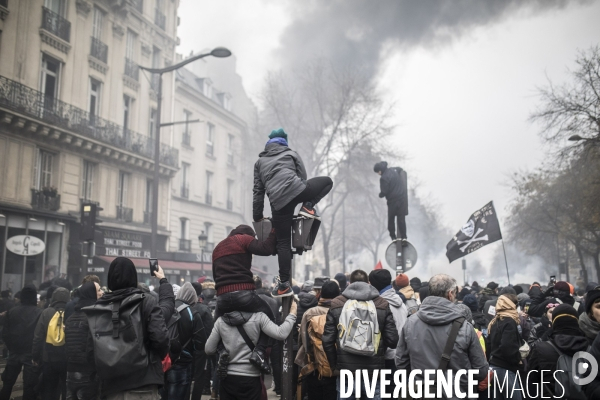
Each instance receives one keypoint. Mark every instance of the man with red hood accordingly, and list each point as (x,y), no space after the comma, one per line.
(234,282)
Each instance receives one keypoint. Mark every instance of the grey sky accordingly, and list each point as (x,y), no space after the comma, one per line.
(463,75)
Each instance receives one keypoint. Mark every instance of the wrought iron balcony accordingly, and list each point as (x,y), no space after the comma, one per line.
(229,205)
(185,191)
(209,198)
(138,5)
(147,217)
(132,70)
(99,50)
(186,138)
(185,245)
(46,199)
(124,214)
(55,24)
(160,19)
(30,102)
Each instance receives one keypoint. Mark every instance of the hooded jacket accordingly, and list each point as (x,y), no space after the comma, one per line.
(190,325)
(539,332)
(307,301)
(40,350)
(20,323)
(322,308)
(280,173)
(393,187)
(225,329)
(122,280)
(424,336)
(538,303)
(340,359)
(400,313)
(232,259)
(79,344)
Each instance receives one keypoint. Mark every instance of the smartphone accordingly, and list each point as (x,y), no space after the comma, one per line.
(552,279)
(153,265)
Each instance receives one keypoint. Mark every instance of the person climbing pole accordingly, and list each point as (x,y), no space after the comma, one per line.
(280,173)
(393,187)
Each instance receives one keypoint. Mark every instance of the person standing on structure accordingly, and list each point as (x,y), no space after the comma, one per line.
(280,173)
(393,187)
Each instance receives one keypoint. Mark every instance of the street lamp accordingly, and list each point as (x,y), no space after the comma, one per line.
(219,52)
(202,239)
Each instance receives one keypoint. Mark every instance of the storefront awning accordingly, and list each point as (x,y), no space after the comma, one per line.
(170,267)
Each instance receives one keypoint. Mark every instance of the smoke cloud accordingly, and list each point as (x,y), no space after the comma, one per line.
(361,32)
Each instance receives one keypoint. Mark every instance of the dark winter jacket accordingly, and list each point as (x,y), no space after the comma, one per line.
(504,343)
(42,351)
(207,319)
(486,295)
(592,390)
(480,321)
(79,344)
(280,173)
(338,358)
(544,357)
(122,280)
(6,304)
(192,334)
(538,304)
(20,323)
(232,259)
(307,301)
(393,187)
(539,332)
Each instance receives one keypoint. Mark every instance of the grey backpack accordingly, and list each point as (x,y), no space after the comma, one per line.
(358,329)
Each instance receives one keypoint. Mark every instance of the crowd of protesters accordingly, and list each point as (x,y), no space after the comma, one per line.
(219,338)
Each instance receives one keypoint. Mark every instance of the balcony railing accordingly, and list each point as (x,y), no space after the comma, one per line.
(138,5)
(209,198)
(132,70)
(99,50)
(160,19)
(30,102)
(44,199)
(229,205)
(147,217)
(55,24)
(185,191)
(124,214)
(186,138)
(185,245)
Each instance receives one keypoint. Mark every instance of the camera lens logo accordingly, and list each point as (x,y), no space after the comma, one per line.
(585,368)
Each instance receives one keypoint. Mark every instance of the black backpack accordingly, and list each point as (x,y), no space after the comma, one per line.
(176,347)
(564,377)
(118,334)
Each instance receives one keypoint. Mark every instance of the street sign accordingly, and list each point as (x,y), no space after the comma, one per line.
(395,251)
(25,245)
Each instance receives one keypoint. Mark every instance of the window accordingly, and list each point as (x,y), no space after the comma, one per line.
(152,123)
(207,87)
(209,178)
(94,106)
(148,211)
(186,136)
(210,241)
(229,194)
(185,188)
(97,23)
(210,140)
(43,168)
(155,64)
(127,102)
(87,181)
(57,6)
(185,244)
(130,45)
(49,79)
(122,189)
(230,141)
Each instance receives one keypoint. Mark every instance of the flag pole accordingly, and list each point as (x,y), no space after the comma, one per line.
(505,261)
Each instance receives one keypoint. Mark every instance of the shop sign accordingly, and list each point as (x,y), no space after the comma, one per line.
(96,269)
(25,245)
(126,244)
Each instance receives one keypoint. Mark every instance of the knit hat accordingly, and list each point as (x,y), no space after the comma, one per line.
(278,133)
(341,278)
(330,290)
(380,166)
(565,318)
(591,297)
(507,290)
(416,284)
(492,285)
(380,278)
(471,302)
(562,286)
(401,281)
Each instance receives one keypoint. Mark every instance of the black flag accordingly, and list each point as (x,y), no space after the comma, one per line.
(482,229)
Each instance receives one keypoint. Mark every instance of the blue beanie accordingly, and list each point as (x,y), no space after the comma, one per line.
(278,133)
(471,302)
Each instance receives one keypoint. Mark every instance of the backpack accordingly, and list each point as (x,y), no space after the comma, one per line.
(55,336)
(358,328)
(176,348)
(118,333)
(317,360)
(564,380)
(412,306)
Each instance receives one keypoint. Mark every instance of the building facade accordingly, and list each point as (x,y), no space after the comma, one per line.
(76,126)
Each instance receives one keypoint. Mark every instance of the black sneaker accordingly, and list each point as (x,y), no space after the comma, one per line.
(404,242)
(259,360)
(309,211)
(284,289)
(223,364)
